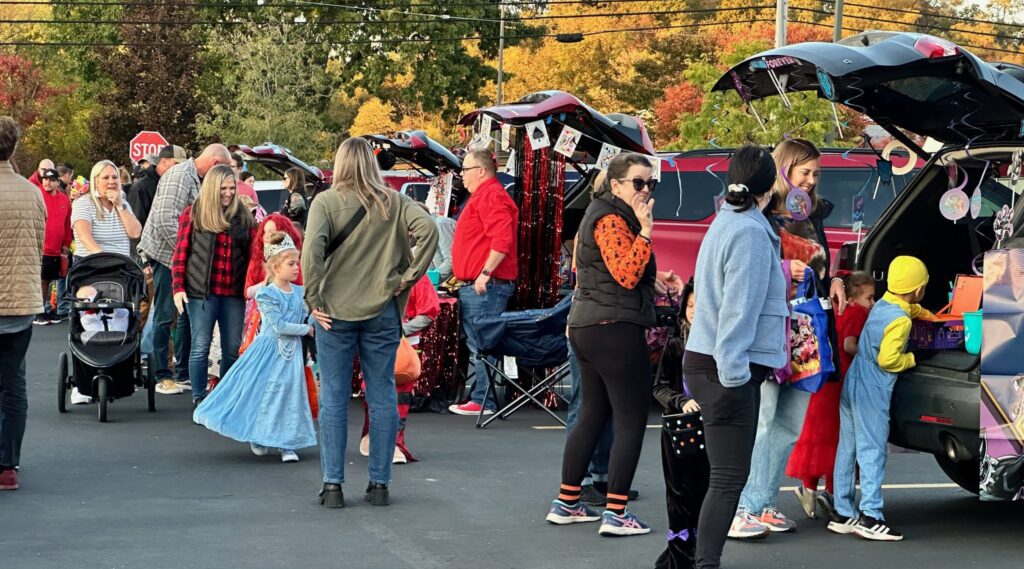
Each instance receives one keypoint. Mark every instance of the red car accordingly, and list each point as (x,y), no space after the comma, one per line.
(685,199)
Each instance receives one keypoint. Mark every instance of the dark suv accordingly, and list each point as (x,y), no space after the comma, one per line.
(933,88)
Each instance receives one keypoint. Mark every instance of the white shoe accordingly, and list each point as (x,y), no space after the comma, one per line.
(399,457)
(259,450)
(289,456)
(364,446)
(745,526)
(79,399)
(168,387)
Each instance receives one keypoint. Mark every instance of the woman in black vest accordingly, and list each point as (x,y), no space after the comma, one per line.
(611,312)
(296,206)
(208,271)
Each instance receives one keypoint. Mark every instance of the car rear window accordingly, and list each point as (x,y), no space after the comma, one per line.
(690,195)
(841,186)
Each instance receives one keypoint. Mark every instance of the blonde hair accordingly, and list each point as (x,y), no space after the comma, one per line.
(355,169)
(270,267)
(788,155)
(595,186)
(94,186)
(207,213)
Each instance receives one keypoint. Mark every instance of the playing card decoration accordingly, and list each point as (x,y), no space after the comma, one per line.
(567,141)
(537,134)
(486,126)
(607,153)
(506,136)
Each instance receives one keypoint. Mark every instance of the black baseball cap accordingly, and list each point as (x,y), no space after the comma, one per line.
(51,174)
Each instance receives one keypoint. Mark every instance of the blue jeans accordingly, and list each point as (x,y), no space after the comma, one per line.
(229,313)
(161,314)
(63,304)
(598,471)
(474,306)
(376,342)
(780,420)
(863,434)
(183,347)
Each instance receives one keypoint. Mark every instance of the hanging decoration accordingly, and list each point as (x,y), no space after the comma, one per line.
(1015,166)
(976,195)
(439,197)
(911,157)
(885,173)
(608,152)
(537,134)
(1003,225)
(798,201)
(486,126)
(655,167)
(954,204)
(567,141)
(510,164)
(506,136)
(858,222)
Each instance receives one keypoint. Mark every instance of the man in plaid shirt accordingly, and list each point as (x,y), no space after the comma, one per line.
(178,188)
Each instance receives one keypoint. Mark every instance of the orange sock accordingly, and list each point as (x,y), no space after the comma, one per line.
(616,503)
(569,494)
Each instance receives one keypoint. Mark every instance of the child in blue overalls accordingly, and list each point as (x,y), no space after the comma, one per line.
(864,403)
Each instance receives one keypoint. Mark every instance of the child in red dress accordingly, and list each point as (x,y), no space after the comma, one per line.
(814,455)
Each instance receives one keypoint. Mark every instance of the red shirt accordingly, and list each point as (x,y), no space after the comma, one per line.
(221,281)
(423,300)
(849,323)
(489,221)
(58,224)
(244,189)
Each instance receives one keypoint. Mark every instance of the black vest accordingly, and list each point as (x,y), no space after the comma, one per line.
(200,258)
(600,298)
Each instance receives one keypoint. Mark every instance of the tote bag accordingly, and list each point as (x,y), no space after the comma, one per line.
(810,354)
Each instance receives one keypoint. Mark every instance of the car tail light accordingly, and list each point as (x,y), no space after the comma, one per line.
(936,420)
(935,48)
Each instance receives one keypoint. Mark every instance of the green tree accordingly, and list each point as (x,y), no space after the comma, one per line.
(267,83)
(152,82)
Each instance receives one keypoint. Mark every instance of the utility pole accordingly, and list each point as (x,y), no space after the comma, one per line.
(837,33)
(781,18)
(501,48)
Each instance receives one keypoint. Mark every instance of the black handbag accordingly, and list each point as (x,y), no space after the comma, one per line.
(686,430)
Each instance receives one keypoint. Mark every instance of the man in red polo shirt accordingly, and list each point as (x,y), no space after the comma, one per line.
(484,258)
(58,238)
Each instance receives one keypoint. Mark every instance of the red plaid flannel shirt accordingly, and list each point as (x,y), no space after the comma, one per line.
(221,281)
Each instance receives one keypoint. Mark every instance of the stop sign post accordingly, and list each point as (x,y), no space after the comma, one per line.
(145,143)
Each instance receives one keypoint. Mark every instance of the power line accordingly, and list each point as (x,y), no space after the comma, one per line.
(858,30)
(928,26)
(380,22)
(398,41)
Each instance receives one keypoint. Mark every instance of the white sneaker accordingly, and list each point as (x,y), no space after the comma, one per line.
(259,450)
(745,526)
(364,446)
(399,457)
(289,456)
(79,399)
(168,387)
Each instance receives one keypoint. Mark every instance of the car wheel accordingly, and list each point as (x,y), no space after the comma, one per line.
(965,473)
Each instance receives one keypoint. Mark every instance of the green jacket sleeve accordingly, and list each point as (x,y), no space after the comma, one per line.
(423,228)
(313,248)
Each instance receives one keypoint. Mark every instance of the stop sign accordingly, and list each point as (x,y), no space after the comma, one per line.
(145,143)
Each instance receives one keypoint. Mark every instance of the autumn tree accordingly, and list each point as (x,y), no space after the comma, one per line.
(152,82)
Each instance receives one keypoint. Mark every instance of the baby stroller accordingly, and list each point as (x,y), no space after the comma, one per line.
(105,334)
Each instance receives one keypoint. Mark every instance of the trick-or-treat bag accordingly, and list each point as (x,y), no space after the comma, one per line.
(1002,338)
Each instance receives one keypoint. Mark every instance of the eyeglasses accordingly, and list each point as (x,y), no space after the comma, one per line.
(639,183)
(464,170)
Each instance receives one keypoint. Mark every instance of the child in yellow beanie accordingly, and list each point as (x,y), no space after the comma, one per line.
(864,403)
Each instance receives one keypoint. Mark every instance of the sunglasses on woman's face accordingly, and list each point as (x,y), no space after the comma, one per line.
(639,183)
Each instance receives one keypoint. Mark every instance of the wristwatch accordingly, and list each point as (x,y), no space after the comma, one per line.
(485,273)
(120,207)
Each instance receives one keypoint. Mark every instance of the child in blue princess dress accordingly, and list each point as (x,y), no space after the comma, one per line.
(262,400)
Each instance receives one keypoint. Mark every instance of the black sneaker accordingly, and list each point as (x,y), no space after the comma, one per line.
(842,525)
(876,530)
(378,494)
(602,487)
(42,320)
(592,496)
(330,496)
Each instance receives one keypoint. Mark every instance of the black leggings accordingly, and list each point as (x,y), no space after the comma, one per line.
(730,425)
(615,377)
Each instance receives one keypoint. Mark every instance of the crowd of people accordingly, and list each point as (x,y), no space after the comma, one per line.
(267,296)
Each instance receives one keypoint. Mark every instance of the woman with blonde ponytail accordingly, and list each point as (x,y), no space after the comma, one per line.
(359,269)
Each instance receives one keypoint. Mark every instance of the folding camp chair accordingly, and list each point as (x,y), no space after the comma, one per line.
(536,339)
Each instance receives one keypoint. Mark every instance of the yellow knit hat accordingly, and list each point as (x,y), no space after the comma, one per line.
(907,274)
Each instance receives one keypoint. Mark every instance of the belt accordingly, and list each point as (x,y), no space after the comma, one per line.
(493,280)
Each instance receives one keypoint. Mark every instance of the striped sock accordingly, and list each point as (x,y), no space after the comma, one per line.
(616,503)
(568,494)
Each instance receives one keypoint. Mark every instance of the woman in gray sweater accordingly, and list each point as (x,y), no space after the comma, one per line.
(737,338)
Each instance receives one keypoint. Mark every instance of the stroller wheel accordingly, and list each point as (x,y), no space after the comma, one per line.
(102,393)
(63,388)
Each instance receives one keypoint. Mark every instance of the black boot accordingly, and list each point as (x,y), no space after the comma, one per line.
(378,494)
(331,496)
